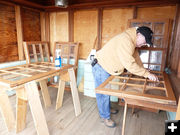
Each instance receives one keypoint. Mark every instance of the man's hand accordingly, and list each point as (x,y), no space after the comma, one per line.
(153,77)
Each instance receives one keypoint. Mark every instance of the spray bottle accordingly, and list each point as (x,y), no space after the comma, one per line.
(58,58)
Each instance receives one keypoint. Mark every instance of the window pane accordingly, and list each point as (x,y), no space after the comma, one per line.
(155,67)
(156,57)
(144,55)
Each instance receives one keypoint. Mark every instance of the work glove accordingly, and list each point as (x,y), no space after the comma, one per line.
(153,77)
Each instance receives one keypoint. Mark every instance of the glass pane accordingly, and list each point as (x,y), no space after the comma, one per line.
(155,84)
(133,89)
(17,78)
(116,86)
(39,57)
(158,28)
(135,24)
(148,24)
(116,83)
(155,92)
(156,57)
(155,67)
(139,82)
(144,55)
(158,41)
(145,65)
(8,75)
(37,48)
(30,49)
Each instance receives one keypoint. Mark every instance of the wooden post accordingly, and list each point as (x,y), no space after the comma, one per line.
(21,109)
(134,12)
(47,26)
(124,118)
(44,19)
(99,29)
(178,111)
(178,71)
(71,25)
(43,26)
(36,108)
(19,32)
(6,110)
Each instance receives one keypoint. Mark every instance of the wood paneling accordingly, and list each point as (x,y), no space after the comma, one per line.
(114,22)
(58,28)
(31,25)
(43,26)
(156,12)
(44,18)
(175,82)
(62,26)
(176,44)
(8,36)
(85,30)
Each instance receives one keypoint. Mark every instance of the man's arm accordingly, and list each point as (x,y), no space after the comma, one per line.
(125,51)
(137,58)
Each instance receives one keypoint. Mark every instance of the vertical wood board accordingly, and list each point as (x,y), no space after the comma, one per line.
(58,28)
(85,30)
(62,26)
(8,36)
(52,18)
(176,44)
(31,25)
(114,22)
(19,32)
(166,12)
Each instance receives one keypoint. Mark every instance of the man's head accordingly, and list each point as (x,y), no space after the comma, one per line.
(144,36)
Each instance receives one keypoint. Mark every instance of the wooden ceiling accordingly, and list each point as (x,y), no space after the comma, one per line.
(75,2)
(50,4)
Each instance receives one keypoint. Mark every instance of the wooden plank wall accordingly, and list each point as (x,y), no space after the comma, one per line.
(112,21)
(8,36)
(85,30)
(14,20)
(58,28)
(175,62)
(166,12)
(31,25)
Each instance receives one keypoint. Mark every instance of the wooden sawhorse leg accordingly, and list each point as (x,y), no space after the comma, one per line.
(70,76)
(124,118)
(21,108)
(74,92)
(36,108)
(6,109)
(45,93)
(60,94)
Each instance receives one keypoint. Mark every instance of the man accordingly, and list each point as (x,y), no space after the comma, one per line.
(118,54)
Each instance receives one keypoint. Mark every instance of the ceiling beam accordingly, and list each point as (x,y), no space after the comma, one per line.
(109,4)
(27,4)
(102,4)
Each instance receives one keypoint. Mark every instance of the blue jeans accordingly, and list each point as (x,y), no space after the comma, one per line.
(103,101)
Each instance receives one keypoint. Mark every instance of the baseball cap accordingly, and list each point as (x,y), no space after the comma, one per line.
(147,33)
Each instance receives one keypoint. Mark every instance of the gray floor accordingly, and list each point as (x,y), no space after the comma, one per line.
(64,122)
